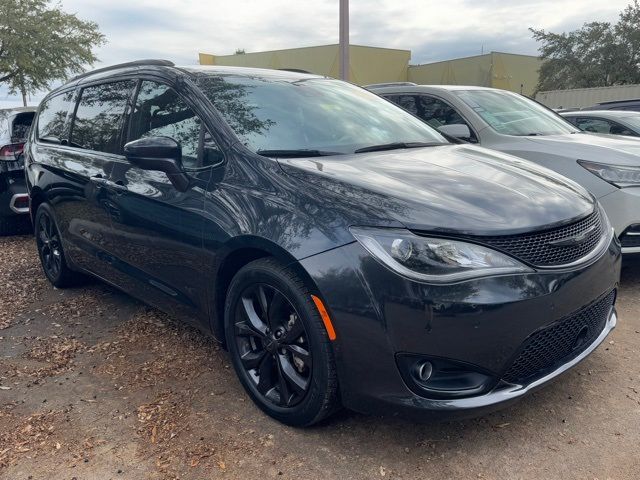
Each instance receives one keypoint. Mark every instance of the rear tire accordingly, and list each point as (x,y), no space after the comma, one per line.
(52,258)
(278,345)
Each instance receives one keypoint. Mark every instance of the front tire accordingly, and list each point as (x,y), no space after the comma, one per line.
(49,244)
(279,347)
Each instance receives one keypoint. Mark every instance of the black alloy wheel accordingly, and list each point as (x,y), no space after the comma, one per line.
(272,344)
(49,244)
(278,344)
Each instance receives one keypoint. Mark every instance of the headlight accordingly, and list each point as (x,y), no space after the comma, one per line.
(434,260)
(615,174)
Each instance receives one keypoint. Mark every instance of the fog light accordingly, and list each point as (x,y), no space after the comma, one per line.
(423,370)
(435,377)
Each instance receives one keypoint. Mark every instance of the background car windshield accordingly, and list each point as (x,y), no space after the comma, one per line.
(632,121)
(311,113)
(513,114)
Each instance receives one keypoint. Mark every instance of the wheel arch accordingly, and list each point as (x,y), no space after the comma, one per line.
(240,252)
(36,198)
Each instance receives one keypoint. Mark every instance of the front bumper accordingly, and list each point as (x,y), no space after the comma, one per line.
(481,323)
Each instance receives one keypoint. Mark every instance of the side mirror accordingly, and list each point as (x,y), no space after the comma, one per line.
(162,154)
(456,130)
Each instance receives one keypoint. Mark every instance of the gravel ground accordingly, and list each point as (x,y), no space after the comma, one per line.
(95,385)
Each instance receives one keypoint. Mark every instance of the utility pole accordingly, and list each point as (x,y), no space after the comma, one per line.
(344,40)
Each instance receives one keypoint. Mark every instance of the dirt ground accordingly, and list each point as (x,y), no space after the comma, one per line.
(95,385)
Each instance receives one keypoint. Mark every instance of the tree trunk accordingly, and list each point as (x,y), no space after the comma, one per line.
(24,96)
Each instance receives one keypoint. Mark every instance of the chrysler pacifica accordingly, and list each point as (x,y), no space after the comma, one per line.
(342,250)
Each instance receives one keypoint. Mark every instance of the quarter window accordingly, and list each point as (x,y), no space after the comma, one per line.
(160,112)
(52,117)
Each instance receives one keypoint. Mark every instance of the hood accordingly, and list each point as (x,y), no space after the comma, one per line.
(453,188)
(616,150)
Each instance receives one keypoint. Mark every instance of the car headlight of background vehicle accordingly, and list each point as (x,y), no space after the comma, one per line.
(434,260)
(618,175)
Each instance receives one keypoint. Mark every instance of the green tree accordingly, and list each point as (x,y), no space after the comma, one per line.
(40,43)
(599,54)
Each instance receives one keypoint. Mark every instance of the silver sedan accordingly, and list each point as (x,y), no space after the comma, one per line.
(607,166)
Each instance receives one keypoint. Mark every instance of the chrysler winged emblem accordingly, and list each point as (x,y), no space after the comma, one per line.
(573,241)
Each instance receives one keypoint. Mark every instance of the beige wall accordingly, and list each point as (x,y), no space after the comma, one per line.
(587,97)
(367,64)
(518,73)
(460,71)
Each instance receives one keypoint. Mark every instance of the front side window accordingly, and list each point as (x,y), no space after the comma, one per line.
(98,121)
(594,125)
(160,112)
(279,114)
(512,114)
(52,117)
(408,102)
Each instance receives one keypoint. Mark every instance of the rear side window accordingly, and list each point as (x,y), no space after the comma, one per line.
(97,124)
(53,114)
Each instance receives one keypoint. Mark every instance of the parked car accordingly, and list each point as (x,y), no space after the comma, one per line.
(607,122)
(631,104)
(343,251)
(14,199)
(609,167)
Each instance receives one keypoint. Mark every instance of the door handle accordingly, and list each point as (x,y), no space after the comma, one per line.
(99,180)
(118,186)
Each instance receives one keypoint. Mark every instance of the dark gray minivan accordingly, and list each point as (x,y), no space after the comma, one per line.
(342,250)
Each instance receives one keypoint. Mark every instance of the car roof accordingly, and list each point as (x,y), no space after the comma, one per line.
(612,102)
(193,70)
(433,88)
(16,110)
(284,74)
(601,113)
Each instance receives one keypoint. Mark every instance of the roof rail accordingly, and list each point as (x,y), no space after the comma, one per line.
(294,70)
(137,63)
(391,84)
(629,100)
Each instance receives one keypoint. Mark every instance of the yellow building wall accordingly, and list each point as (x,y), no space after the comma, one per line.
(518,73)
(367,64)
(460,71)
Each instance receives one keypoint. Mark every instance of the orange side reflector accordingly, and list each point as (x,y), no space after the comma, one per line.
(325,317)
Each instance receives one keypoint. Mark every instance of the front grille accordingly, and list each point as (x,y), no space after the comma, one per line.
(535,248)
(561,342)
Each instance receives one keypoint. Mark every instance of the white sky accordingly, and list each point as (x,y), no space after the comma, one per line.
(432,30)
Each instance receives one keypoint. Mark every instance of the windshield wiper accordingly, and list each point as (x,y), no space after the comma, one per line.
(397,146)
(293,153)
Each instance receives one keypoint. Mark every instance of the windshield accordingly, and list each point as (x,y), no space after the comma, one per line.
(313,114)
(512,114)
(633,121)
